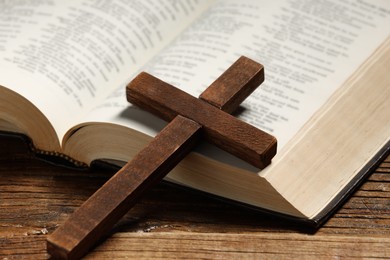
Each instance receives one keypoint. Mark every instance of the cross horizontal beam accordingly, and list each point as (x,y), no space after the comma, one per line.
(220,128)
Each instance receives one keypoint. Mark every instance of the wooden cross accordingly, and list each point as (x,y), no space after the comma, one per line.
(192,120)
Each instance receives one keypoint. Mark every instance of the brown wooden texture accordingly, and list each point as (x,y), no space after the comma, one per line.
(227,92)
(220,128)
(96,217)
(98,214)
(170,222)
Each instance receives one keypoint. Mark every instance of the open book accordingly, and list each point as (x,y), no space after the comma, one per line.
(64,66)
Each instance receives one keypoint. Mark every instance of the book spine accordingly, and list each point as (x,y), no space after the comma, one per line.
(56,157)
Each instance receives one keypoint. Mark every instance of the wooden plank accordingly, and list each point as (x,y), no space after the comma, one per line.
(237,246)
(36,198)
(183,245)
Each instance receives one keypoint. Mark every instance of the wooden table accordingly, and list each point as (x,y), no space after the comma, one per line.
(170,222)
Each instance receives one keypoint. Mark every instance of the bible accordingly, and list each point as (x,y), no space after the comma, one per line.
(64,67)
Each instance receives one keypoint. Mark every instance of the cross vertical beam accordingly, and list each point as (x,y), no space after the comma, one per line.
(105,207)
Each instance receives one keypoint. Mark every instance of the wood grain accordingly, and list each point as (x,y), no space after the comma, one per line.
(96,217)
(227,92)
(220,128)
(170,222)
(105,207)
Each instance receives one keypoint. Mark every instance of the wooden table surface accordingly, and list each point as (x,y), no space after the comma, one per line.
(170,222)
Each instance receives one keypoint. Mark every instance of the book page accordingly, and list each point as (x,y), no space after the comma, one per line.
(341,145)
(309,48)
(65,56)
